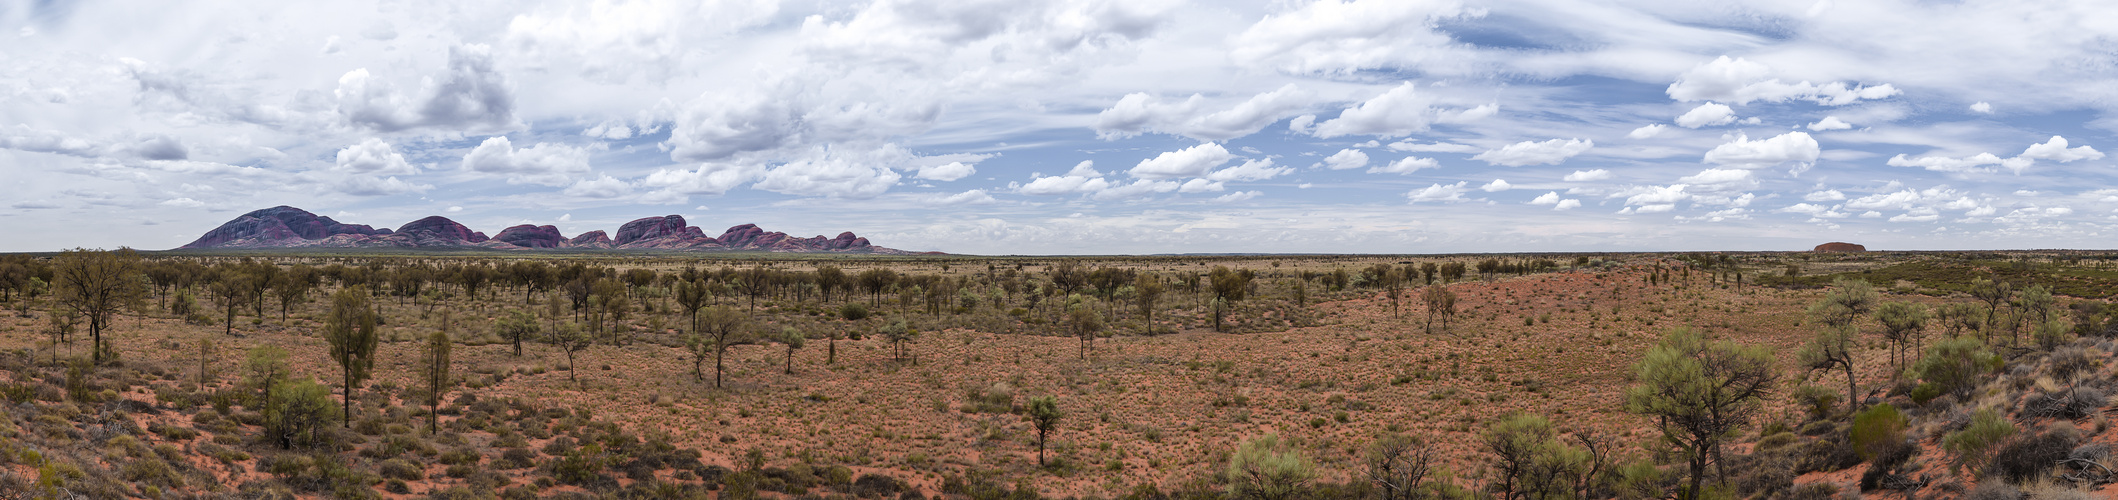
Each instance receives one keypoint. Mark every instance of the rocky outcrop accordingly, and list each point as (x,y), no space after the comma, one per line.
(289,227)
(650,228)
(278,226)
(529,236)
(591,239)
(442,228)
(1839,247)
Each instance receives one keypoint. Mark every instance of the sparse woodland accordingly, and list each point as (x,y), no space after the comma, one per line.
(1691,376)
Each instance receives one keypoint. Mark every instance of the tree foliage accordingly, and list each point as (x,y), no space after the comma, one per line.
(97,284)
(1698,391)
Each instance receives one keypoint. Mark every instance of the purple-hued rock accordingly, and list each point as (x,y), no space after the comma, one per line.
(591,239)
(530,236)
(279,226)
(442,228)
(650,228)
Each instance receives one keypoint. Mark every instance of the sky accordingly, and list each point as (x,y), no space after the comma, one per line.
(1078,126)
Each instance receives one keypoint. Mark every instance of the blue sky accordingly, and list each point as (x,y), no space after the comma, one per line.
(1078,127)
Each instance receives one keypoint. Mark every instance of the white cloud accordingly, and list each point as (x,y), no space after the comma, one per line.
(1346,159)
(372,156)
(2056,150)
(1480,112)
(602,188)
(1648,131)
(1413,146)
(1139,188)
(836,173)
(1982,107)
(1141,112)
(947,172)
(1251,170)
(545,163)
(1343,37)
(1398,112)
(1783,148)
(1741,81)
(1406,165)
(1947,164)
(1720,178)
(1550,152)
(708,179)
(1588,175)
(1497,185)
(1567,204)
(1706,115)
(1825,195)
(1548,198)
(1188,162)
(1655,195)
(471,96)
(1200,186)
(454,209)
(368,185)
(1442,193)
(1829,123)
(972,197)
(1083,178)
(182,203)
(1238,196)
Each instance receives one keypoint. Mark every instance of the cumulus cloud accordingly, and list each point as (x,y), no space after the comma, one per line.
(601,187)
(1982,107)
(1238,196)
(22,137)
(182,203)
(1550,152)
(368,185)
(972,197)
(1447,193)
(1200,186)
(1141,112)
(1825,195)
(836,173)
(372,156)
(1948,164)
(166,147)
(1723,178)
(1783,148)
(1346,159)
(1829,123)
(1567,204)
(2056,150)
(1188,162)
(1741,81)
(1648,131)
(471,96)
(1497,185)
(1413,146)
(713,179)
(1139,188)
(1399,112)
(1406,165)
(1706,115)
(545,163)
(1083,178)
(1251,170)
(947,172)
(1335,36)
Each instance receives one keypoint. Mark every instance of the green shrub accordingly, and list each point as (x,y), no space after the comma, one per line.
(1955,366)
(398,468)
(1971,445)
(1877,431)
